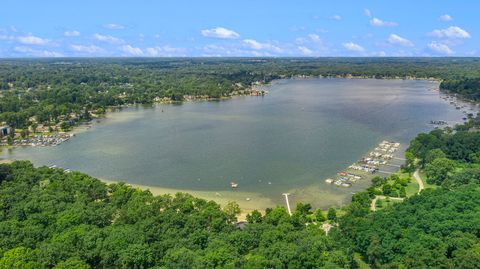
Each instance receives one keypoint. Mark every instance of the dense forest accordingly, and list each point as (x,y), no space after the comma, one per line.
(53,219)
(52,91)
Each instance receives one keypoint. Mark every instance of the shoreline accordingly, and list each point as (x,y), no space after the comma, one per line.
(256,202)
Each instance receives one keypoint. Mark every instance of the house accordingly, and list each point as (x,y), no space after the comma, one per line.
(5,130)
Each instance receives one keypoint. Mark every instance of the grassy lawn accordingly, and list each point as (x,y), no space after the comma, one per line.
(411,188)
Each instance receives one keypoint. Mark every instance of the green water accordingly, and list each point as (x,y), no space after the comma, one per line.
(301,133)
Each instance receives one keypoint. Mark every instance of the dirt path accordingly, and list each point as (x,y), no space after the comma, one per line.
(419,180)
(373,206)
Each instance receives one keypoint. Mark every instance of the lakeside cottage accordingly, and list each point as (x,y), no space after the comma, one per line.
(5,130)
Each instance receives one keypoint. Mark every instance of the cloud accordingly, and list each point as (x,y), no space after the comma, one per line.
(108,39)
(445,18)
(165,51)
(398,40)
(305,51)
(315,38)
(157,51)
(452,32)
(253,44)
(32,40)
(353,47)
(379,23)
(71,33)
(367,12)
(37,53)
(113,26)
(440,48)
(220,32)
(131,51)
(91,49)
(336,17)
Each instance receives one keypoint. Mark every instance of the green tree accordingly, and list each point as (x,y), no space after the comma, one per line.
(254,217)
(18,258)
(232,209)
(332,214)
(71,263)
(319,216)
(438,170)
(434,154)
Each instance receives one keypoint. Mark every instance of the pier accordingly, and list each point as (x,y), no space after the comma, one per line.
(288,203)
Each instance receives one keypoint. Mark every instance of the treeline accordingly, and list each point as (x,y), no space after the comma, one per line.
(48,91)
(436,229)
(449,157)
(53,219)
(466,87)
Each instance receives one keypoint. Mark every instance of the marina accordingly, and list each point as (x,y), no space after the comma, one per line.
(40,140)
(382,155)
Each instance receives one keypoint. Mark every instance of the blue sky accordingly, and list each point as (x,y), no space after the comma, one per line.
(88,28)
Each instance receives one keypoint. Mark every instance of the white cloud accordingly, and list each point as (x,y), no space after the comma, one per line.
(37,53)
(108,39)
(113,26)
(398,40)
(452,32)
(353,47)
(305,50)
(221,33)
(91,49)
(315,38)
(440,48)
(253,44)
(32,40)
(446,18)
(164,51)
(336,17)
(367,12)
(131,51)
(71,33)
(378,22)
(158,51)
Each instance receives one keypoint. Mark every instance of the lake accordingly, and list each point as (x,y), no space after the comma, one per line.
(303,131)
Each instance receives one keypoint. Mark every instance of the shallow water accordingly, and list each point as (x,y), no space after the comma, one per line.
(301,133)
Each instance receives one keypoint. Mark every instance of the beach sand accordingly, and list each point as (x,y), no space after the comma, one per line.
(257,201)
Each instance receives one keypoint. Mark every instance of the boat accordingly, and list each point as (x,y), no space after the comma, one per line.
(234,185)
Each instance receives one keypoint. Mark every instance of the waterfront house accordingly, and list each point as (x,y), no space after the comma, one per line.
(5,130)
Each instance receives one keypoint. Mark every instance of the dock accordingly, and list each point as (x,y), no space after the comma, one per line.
(288,203)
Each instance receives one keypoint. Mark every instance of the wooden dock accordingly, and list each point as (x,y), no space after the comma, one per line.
(288,203)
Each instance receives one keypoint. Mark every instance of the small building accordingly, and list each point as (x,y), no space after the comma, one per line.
(5,130)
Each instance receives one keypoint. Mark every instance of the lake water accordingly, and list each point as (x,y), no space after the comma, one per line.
(290,140)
